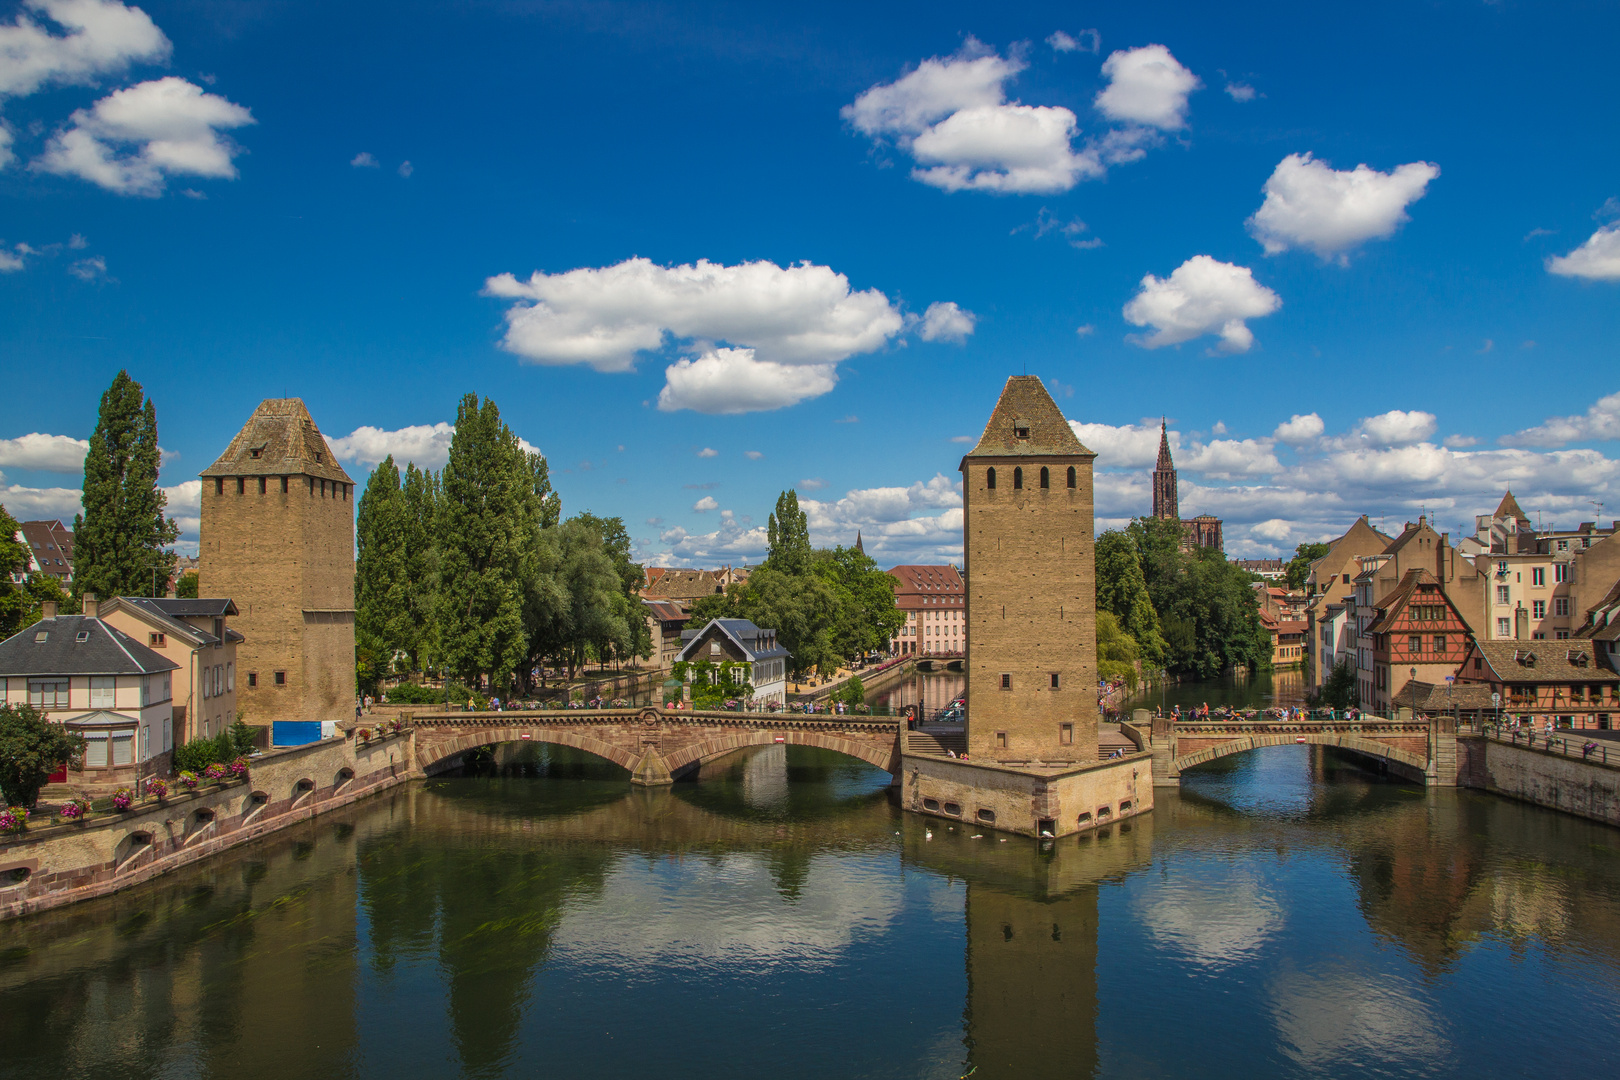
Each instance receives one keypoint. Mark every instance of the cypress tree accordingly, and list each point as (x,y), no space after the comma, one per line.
(119,539)
(420,492)
(487,519)
(789,533)
(381,581)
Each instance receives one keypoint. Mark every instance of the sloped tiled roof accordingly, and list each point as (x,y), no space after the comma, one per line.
(1509,508)
(1395,601)
(1026,400)
(52,647)
(1570,660)
(279,439)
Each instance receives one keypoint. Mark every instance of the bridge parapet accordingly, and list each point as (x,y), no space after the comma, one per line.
(1414,744)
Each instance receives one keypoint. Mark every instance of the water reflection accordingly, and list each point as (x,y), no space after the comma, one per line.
(1284,915)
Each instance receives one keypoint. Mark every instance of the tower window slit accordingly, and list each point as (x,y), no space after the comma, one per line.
(1018,478)
(1046,478)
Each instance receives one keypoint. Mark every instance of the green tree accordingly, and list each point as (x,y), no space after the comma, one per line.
(487,519)
(866,616)
(31,748)
(616,542)
(1299,567)
(801,608)
(420,494)
(716,606)
(592,614)
(1340,690)
(1117,651)
(789,533)
(1122,591)
(383,617)
(119,540)
(186,587)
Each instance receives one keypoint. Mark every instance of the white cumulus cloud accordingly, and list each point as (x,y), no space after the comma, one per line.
(1599,423)
(364,160)
(1146,86)
(47,453)
(1089,41)
(1310,205)
(731,381)
(425,445)
(101,37)
(705,504)
(1202,296)
(1398,427)
(945,321)
(9,263)
(1598,259)
(132,139)
(1297,429)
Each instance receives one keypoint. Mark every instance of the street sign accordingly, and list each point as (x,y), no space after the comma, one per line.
(1451,678)
(1496,699)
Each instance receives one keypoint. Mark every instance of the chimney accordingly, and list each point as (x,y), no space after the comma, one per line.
(87,603)
(170,595)
(47,609)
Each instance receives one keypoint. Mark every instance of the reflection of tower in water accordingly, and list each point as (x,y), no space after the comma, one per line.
(765,779)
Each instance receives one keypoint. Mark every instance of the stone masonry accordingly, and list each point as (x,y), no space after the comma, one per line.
(1031,588)
(277,537)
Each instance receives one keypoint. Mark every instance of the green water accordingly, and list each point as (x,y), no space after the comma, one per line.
(1284,915)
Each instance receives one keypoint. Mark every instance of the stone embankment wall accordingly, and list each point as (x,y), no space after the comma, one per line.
(1017,800)
(1585,788)
(54,864)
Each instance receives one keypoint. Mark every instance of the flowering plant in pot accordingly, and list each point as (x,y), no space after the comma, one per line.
(216,771)
(189,779)
(396,725)
(122,799)
(363,734)
(239,767)
(76,808)
(158,787)
(13,819)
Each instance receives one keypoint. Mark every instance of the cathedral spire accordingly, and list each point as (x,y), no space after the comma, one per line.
(1165,501)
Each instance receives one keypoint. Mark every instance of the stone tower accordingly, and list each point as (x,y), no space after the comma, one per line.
(1165,502)
(1031,587)
(278,539)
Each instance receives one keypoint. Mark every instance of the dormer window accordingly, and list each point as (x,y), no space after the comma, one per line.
(1020,429)
(82,636)
(319,457)
(256,453)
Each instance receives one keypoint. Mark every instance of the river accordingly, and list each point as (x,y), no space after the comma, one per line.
(1283,915)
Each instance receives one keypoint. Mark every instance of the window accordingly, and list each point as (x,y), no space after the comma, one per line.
(1538,609)
(1001,740)
(101,692)
(1563,545)
(1414,643)
(1504,595)
(1046,478)
(263,481)
(219,485)
(123,748)
(1020,429)
(146,742)
(1006,680)
(1538,576)
(1054,680)
(1561,635)
(230,677)
(284,485)
(1066,734)
(241,485)
(1504,628)
(1561,605)
(167,744)
(1538,636)
(157,641)
(1018,478)
(48,693)
(281,678)
(1561,572)
(1479,664)
(990,479)
(95,749)
(1439,643)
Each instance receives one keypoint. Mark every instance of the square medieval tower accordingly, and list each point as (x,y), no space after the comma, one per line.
(1031,584)
(278,539)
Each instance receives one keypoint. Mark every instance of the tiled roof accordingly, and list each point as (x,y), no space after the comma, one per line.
(53,647)
(1509,508)
(1395,601)
(1025,400)
(1571,660)
(279,439)
(741,632)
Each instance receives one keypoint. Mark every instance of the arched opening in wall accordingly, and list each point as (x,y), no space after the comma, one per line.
(302,790)
(1046,478)
(987,817)
(1085,819)
(15,874)
(129,849)
(990,478)
(199,824)
(1071,477)
(1018,478)
(531,758)
(256,803)
(1104,813)
(1124,805)
(344,776)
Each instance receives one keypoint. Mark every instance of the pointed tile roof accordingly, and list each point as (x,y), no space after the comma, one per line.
(1025,406)
(279,439)
(1509,508)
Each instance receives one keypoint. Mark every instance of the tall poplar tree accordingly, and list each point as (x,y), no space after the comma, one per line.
(789,532)
(420,493)
(382,610)
(487,518)
(119,540)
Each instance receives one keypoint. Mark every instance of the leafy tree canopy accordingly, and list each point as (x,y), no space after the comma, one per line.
(120,538)
(31,748)
(1299,567)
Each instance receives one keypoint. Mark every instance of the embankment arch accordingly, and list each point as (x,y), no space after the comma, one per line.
(872,753)
(1371,747)
(430,755)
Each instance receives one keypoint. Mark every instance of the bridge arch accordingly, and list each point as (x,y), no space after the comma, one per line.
(430,753)
(1371,747)
(884,757)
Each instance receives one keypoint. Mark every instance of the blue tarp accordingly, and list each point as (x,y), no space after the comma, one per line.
(295,732)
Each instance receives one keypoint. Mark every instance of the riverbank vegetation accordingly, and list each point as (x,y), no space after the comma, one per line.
(1190,612)
(472,572)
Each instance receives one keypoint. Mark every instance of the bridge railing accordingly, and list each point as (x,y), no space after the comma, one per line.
(1563,742)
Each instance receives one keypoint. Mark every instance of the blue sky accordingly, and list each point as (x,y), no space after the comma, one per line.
(700,253)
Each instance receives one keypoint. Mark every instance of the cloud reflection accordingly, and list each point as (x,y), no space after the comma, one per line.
(1214,917)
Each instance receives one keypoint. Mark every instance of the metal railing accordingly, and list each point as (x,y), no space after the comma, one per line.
(1563,742)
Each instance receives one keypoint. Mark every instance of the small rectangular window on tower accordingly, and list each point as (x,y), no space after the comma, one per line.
(1001,740)
(1054,680)
(253,678)
(281,678)
(1066,734)
(1006,680)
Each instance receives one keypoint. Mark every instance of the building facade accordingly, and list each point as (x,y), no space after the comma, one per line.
(740,641)
(1331,581)
(935,605)
(50,551)
(277,538)
(1570,682)
(1031,596)
(196,636)
(1417,634)
(91,677)
(1203,531)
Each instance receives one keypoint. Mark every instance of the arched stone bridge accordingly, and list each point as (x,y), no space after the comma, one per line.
(654,744)
(1417,749)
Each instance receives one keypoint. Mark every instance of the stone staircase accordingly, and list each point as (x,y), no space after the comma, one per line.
(936,743)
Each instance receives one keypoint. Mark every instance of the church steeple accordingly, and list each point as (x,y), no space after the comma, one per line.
(1165,501)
